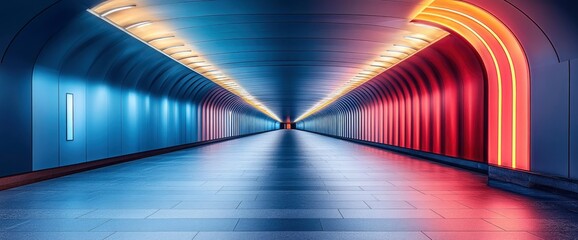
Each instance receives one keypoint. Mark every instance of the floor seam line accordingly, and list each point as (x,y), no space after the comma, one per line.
(236,224)
(486,220)
(89,212)
(108,220)
(108,236)
(196,234)
(425,234)
(147,217)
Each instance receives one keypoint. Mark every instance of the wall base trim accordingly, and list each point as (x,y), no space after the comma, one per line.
(498,177)
(41,175)
(456,162)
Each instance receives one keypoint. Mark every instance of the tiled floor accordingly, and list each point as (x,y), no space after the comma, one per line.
(285,184)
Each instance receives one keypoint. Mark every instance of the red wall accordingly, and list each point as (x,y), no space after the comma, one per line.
(433,102)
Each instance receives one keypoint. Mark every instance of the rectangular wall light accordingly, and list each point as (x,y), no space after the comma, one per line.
(69,117)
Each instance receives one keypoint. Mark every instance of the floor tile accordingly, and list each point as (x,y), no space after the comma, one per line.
(166,225)
(278,225)
(58,225)
(389,213)
(207,205)
(481,235)
(312,235)
(54,235)
(468,213)
(42,213)
(407,225)
(152,236)
(119,213)
(389,205)
(6,224)
(536,225)
(248,213)
(558,235)
(436,204)
(300,204)
(536,213)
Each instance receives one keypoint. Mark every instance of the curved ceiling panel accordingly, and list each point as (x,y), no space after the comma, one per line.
(286,55)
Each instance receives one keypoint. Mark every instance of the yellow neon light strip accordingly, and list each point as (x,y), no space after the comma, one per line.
(512,70)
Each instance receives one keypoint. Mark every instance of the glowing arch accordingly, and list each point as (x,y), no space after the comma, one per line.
(507,73)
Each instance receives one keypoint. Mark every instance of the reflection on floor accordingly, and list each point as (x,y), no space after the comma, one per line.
(285,184)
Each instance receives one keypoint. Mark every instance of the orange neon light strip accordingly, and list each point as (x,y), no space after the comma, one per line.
(499,78)
(508,76)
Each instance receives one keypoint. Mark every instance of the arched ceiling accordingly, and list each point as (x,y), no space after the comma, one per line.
(288,55)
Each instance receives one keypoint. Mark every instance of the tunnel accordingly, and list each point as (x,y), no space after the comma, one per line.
(303,119)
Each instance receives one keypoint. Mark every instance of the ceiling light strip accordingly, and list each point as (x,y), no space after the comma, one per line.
(118,9)
(160,39)
(138,25)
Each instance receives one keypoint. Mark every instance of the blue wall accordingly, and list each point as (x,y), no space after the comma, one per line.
(128,98)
